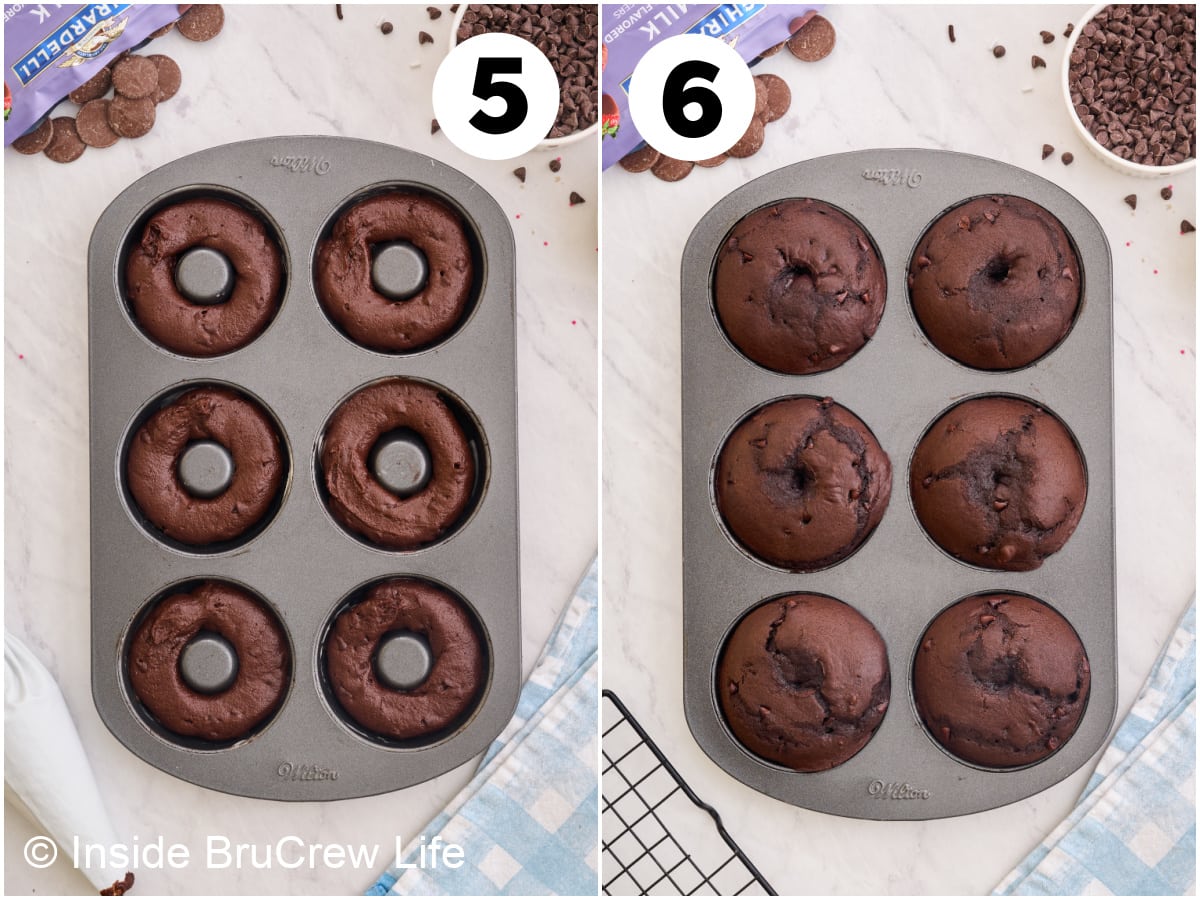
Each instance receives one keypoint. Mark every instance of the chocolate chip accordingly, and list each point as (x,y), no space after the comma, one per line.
(202,22)
(555,164)
(36,139)
(520,173)
(453,8)
(640,160)
(65,145)
(1046,150)
(1070,29)
(1166,193)
(131,118)
(1131,201)
(92,89)
(1047,37)
(386,28)
(669,169)
(423,37)
(135,77)
(434,13)
(434,127)
(814,41)
(337,8)
(576,199)
(950,29)
(1186,227)
(998,51)
(1068,158)
(93,125)
(169,77)
(1039,63)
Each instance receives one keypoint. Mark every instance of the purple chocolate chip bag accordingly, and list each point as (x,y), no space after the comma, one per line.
(630,29)
(49,50)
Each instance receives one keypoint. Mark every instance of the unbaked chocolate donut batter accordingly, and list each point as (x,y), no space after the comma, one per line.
(237,424)
(195,329)
(343,272)
(454,682)
(263,662)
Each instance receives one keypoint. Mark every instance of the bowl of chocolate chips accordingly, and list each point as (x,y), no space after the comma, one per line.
(569,36)
(1129,79)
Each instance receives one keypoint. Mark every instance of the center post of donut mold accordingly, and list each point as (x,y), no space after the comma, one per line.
(205,469)
(208,664)
(204,276)
(399,270)
(400,461)
(403,660)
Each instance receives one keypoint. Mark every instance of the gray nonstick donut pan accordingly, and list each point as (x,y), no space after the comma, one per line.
(302,563)
(898,384)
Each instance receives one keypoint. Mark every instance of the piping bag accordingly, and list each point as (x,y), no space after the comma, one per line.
(46,772)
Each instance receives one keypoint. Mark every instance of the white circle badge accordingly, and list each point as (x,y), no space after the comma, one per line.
(496,96)
(691,97)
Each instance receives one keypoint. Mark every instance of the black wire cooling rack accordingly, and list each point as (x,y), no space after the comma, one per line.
(659,838)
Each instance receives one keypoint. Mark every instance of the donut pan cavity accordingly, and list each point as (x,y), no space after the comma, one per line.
(302,563)
(898,384)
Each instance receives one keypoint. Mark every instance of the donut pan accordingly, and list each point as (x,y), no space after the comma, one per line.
(303,563)
(898,384)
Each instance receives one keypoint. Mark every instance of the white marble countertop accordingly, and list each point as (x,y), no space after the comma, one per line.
(274,70)
(894,79)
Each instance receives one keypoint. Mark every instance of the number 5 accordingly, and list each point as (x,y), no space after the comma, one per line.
(486,87)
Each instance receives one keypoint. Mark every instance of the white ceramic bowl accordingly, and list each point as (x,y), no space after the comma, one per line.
(1107,156)
(549,143)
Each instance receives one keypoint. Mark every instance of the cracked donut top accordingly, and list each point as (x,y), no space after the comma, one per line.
(799,287)
(1001,680)
(995,283)
(804,682)
(802,483)
(999,483)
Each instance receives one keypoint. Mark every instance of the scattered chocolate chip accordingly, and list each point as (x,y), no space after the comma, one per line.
(520,173)
(36,139)
(555,164)
(998,51)
(423,37)
(1039,63)
(93,125)
(65,145)
(131,118)
(386,28)
(337,8)
(814,41)
(1070,29)
(951,30)
(202,22)
(576,199)
(92,89)
(1131,201)
(640,160)
(1047,37)
(1166,193)
(434,127)
(169,77)
(453,8)
(669,169)
(434,13)
(1068,158)
(118,888)
(1046,150)
(135,77)
(1186,227)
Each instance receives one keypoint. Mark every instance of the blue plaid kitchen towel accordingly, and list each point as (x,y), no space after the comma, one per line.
(527,820)
(1134,828)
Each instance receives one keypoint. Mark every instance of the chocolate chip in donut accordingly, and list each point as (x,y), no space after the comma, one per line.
(398,467)
(799,287)
(210,661)
(206,468)
(406,660)
(396,272)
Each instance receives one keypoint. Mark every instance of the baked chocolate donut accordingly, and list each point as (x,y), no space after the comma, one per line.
(798,287)
(995,283)
(360,502)
(1001,680)
(343,272)
(196,329)
(804,681)
(457,675)
(998,482)
(256,636)
(802,483)
(216,414)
